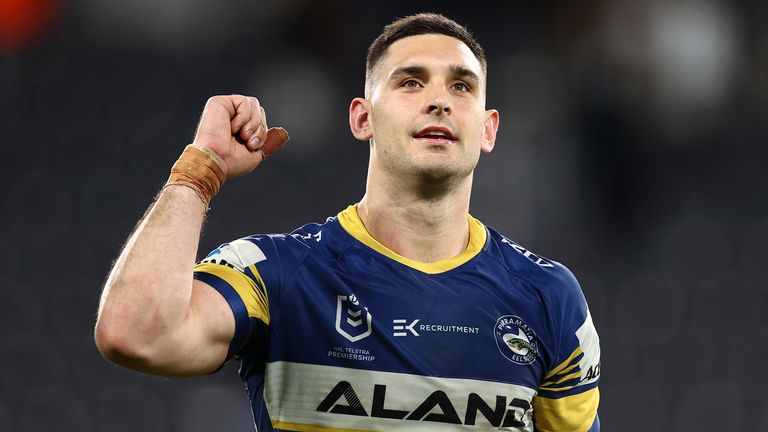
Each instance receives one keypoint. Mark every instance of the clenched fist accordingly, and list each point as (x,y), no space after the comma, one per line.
(234,127)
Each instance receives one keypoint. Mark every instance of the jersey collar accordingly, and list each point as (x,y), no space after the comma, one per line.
(352,224)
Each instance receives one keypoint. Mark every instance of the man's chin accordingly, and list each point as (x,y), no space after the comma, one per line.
(442,171)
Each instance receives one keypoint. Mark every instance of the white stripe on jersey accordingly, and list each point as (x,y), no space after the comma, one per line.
(590,345)
(313,397)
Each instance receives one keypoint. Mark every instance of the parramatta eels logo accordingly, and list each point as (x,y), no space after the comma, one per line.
(352,320)
(515,340)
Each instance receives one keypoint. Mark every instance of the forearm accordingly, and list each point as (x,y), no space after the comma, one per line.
(148,293)
(153,316)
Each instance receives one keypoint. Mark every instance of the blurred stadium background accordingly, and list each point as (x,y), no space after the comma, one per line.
(632,148)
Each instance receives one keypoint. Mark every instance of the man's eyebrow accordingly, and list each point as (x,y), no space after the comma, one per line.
(464,73)
(408,70)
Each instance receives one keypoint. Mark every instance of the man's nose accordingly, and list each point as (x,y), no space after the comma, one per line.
(439,108)
(439,103)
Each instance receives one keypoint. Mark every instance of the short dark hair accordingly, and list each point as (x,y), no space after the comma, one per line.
(419,24)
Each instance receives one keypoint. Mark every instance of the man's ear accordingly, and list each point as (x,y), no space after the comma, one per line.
(359,124)
(489,130)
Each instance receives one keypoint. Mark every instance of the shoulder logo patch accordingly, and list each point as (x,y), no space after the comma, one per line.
(515,340)
(238,254)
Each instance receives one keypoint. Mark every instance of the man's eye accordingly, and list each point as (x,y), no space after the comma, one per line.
(460,86)
(410,83)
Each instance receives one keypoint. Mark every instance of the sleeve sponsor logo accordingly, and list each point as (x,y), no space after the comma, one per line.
(593,373)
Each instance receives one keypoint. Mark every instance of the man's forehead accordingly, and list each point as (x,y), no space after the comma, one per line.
(429,49)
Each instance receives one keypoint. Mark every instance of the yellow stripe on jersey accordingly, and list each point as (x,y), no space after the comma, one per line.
(302,427)
(261,288)
(351,222)
(568,369)
(246,288)
(560,368)
(565,378)
(574,413)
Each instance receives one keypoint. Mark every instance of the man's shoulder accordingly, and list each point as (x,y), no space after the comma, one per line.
(311,235)
(294,245)
(545,274)
(553,281)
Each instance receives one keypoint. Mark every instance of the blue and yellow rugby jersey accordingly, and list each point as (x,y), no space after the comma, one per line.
(336,332)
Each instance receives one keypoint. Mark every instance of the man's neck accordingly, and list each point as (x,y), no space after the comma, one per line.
(422,229)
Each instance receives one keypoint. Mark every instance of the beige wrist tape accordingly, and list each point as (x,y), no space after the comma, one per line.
(198,169)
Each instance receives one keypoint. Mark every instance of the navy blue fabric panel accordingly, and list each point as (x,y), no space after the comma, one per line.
(595,425)
(242,323)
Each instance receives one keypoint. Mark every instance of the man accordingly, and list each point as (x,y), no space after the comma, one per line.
(402,312)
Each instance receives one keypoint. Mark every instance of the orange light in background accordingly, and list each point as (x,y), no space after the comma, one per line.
(24,22)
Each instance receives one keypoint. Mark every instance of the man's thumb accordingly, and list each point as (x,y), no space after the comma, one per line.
(276,138)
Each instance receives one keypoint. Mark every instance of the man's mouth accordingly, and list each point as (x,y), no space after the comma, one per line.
(436,135)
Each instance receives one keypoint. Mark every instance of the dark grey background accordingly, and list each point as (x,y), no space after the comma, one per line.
(632,148)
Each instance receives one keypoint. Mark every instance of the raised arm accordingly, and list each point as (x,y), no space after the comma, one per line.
(153,316)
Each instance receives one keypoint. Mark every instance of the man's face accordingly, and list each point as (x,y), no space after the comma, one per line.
(427,109)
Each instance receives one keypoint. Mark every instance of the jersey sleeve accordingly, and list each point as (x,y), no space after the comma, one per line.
(250,274)
(568,394)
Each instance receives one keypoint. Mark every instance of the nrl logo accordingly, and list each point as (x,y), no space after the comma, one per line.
(352,320)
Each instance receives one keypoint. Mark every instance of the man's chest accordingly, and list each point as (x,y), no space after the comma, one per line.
(352,346)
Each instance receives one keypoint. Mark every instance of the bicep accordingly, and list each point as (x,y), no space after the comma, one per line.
(201,344)
(213,320)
